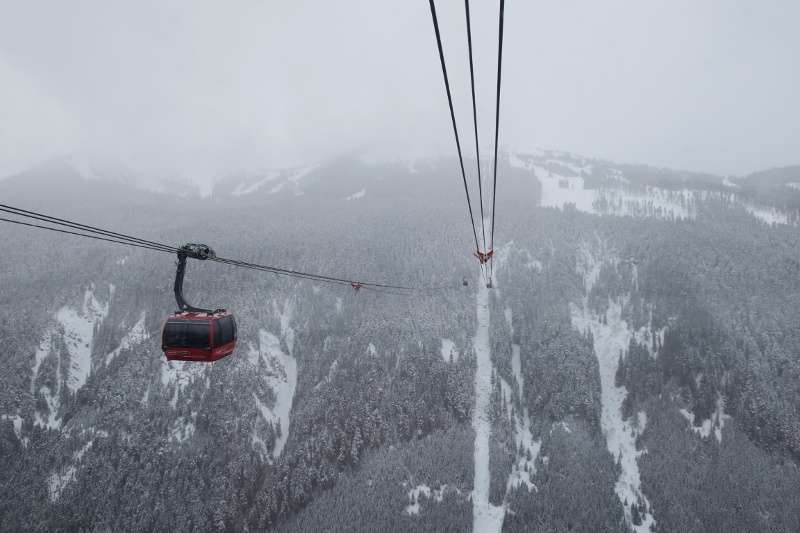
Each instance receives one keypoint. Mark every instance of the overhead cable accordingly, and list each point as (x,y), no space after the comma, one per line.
(453,119)
(93,232)
(497,123)
(475,121)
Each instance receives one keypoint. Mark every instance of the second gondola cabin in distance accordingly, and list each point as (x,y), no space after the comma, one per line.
(192,333)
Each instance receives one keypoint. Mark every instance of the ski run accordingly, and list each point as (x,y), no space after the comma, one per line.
(487,518)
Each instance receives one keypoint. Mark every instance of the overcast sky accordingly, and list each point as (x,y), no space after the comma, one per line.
(206,88)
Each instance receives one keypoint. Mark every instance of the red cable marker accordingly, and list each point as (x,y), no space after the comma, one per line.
(356,286)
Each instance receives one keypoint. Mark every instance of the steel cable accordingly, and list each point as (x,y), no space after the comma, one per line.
(497,124)
(120,238)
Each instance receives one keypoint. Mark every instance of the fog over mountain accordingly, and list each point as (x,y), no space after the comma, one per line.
(204,89)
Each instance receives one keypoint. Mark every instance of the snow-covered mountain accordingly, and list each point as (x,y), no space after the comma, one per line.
(633,367)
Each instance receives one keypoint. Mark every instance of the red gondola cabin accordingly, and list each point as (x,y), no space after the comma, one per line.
(198,336)
(192,333)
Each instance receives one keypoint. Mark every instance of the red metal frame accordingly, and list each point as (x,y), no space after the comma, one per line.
(483,257)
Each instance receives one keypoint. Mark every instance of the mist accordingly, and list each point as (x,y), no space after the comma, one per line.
(205,89)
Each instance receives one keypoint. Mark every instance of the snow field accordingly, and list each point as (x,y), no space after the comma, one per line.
(516,364)
(523,468)
(136,335)
(716,422)
(76,329)
(281,376)
(770,216)
(241,190)
(535,264)
(58,480)
(42,351)
(553,195)
(356,196)
(180,373)
(291,176)
(448,348)
(610,340)
(487,518)
(654,202)
(182,430)
(414,495)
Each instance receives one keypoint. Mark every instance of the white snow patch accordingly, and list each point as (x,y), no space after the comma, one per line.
(182,430)
(338,305)
(728,183)
(516,367)
(51,397)
(299,172)
(286,317)
(76,329)
(417,492)
(770,216)
(356,196)
(42,351)
(57,481)
(282,379)
(181,373)
(16,420)
(645,336)
(704,430)
(574,168)
(331,372)
(525,464)
(241,190)
(516,364)
(372,350)
(535,264)
(653,202)
(136,335)
(610,340)
(53,404)
(559,191)
(413,496)
(794,185)
(448,349)
(554,195)
(715,423)
(122,261)
(486,517)
(257,443)
(78,334)
(589,267)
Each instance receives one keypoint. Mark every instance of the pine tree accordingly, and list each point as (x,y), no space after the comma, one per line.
(636,518)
